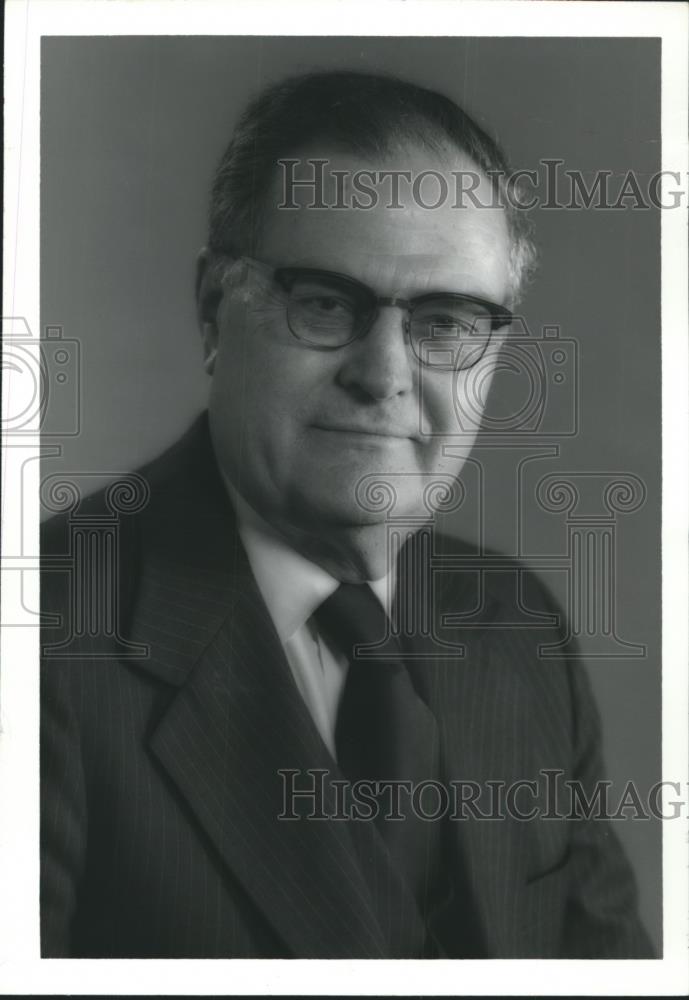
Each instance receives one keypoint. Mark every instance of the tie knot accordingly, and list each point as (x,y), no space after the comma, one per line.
(354,617)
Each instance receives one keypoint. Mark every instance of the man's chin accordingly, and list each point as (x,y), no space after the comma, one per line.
(371,504)
(350,543)
(314,514)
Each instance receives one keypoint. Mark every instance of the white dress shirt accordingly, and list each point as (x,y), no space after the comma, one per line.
(293,588)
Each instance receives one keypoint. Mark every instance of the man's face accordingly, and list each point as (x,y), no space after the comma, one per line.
(296,429)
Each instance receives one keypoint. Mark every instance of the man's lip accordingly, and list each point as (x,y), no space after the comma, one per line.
(381,432)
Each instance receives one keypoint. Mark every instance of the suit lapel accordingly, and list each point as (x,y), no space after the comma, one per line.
(238,720)
(481,733)
(478,703)
(234,726)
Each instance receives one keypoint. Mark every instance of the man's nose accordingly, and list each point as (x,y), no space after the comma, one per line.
(380,364)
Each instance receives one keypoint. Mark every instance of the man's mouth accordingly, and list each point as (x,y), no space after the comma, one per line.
(357,430)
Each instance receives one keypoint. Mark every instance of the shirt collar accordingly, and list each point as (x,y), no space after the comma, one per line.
(291,585)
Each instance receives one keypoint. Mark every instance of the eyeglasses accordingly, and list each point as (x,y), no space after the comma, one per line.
(327,311)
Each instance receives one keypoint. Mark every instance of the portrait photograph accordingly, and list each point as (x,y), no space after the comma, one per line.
(344,547)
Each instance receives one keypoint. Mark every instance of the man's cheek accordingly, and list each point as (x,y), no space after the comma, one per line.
(470,395)
(437,411)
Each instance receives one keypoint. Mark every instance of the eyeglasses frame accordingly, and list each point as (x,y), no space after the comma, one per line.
(500,316)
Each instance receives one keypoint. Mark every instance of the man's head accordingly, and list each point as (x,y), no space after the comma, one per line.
(315,385)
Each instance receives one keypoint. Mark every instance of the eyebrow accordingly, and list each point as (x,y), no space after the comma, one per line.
(496,307)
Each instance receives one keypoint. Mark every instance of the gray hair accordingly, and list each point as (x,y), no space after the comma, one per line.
(364,114)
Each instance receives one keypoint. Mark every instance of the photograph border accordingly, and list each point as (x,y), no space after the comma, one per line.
(23,971)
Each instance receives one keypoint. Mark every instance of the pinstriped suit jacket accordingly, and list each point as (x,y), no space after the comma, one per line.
(160,784)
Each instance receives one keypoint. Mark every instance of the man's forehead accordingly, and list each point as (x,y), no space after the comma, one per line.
(377,233)
(400,159)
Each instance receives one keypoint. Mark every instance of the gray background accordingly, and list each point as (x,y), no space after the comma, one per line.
(132,129)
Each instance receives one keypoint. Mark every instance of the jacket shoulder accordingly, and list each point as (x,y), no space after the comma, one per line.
(98,540)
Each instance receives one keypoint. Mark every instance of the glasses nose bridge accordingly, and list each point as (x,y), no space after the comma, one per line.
(386,301)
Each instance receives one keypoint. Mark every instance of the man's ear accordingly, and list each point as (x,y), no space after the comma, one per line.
(209,295)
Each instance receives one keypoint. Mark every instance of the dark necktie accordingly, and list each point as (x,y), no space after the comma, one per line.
(384,731)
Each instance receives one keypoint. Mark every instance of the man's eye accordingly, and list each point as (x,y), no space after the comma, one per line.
(326,305)
(449,324)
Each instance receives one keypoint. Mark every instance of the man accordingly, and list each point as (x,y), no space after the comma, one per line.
(248,767)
